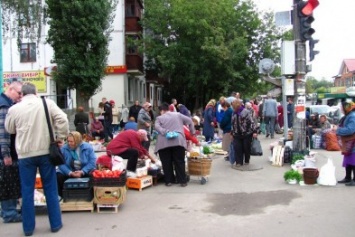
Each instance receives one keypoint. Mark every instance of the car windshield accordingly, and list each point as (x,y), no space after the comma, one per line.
(320,109)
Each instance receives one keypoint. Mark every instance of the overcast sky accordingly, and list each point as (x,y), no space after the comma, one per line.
(334,26)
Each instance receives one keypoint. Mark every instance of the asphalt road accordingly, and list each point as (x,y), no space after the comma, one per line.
(232,203)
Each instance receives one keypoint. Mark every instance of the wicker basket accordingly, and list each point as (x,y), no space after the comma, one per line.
(201,167)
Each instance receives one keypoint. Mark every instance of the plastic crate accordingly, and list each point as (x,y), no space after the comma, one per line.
(75,183)
(85,194)
(111,182)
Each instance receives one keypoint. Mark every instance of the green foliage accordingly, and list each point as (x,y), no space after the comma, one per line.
(296,157)
(79,34)
(319,86)
(292,174)
(23,18)
(208,48)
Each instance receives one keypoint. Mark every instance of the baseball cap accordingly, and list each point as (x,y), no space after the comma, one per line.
(143,133)
(147,105)
(112,102)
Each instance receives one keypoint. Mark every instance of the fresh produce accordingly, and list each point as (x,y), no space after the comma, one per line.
(207,150)
(106,173)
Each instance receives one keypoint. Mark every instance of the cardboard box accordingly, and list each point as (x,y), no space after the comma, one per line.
(139,183)
(109,195)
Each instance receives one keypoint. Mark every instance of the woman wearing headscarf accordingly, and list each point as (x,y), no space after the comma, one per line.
(243,130)
(209,120)
(80,160)
(172,151)
(347,128)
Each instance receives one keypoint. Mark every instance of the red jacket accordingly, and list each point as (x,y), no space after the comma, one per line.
(189,137)
(123,141)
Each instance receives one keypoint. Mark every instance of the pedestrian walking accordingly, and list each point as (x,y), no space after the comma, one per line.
(209,120)
(270,114)
(10,182)
(27,120)
(133,111)
(107,119)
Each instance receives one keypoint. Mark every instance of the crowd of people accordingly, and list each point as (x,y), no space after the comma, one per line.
(24,140)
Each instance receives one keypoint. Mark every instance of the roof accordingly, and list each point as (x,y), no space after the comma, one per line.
(349,64)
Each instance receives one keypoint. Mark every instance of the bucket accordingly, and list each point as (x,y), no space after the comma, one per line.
(310,175)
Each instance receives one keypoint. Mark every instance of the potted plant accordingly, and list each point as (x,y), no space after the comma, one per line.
(292,176)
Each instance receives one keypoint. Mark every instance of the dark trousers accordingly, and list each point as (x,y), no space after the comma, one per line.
(348,170)
(131,155)
(146,144)
(270,125)
(107,130)
(173,157)
(242,146)
(98,134)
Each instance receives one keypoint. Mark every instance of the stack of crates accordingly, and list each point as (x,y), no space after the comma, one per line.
(78,189)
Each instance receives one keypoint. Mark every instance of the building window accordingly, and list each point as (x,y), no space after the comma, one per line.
(28,52)
(130,8)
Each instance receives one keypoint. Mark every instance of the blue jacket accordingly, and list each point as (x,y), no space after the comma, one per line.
(219,112)
(7,144)
(87,157)
(226,123)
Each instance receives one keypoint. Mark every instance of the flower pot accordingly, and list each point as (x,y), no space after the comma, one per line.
(292,181)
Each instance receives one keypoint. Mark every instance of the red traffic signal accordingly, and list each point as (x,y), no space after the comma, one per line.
(306,8)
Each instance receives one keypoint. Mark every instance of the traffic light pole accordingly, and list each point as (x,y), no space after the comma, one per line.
(299,119)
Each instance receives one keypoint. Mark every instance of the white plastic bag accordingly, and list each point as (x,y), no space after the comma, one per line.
(117,163)
(327,174)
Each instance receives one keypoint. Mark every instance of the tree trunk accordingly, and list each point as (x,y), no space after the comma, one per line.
(82,100)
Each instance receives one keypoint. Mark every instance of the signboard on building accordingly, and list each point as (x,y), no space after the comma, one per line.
(35,77)
(116,69)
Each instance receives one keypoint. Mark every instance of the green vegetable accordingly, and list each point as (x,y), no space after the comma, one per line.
(207,150)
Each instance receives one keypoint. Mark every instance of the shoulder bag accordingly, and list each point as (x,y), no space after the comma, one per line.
(55,155)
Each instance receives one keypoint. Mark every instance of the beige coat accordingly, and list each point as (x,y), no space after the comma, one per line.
(27,120)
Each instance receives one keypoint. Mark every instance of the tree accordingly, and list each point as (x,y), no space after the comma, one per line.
(79,34)
(207,48)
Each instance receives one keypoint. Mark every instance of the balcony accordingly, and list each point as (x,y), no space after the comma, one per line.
(134,64)
(132,24)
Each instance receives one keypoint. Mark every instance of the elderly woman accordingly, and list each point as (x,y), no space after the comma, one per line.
(209,120)
(172,151)
(346,130)
(226,125)
(97,129)
(243,130)
(80,160)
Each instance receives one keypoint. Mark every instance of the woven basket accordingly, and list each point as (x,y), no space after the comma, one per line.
(201,167)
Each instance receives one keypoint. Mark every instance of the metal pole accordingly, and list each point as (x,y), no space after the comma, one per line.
(299,130)
(1,68)
(284,106)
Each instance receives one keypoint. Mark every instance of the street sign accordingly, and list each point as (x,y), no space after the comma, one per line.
(283,18)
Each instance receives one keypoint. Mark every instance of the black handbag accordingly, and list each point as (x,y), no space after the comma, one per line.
(10,185)
(55,154)
(256,149)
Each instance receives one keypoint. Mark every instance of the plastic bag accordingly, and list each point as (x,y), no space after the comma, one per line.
(256,149)
(171,135)
(117,163)
(327,174)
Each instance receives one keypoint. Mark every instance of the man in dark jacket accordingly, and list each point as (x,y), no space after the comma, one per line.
(134,110)
(10,182)
(107,119)
(81,121)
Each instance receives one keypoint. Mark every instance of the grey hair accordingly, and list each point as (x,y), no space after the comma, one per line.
(248,104)
(28,89)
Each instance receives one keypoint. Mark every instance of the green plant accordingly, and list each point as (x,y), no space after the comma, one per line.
(292,174)
(296,157)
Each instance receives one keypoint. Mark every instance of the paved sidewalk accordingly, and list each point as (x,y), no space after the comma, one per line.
(232,203)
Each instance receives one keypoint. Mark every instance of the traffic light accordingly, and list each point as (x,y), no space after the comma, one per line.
(312,52)
(305,16)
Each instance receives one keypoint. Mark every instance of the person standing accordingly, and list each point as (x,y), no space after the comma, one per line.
(115,117)
(226,125)
(209,120)
(81,121)
(270,114)
(9,192)
(107,119)
(27,120)
(145,122)
(172,151)
(133,111)
(172,106)
(243,130)
(347,129)
(290,110)
(124,117)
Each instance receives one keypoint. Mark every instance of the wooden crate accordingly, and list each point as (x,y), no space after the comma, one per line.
(77,206)
(107,208)
(139,183)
